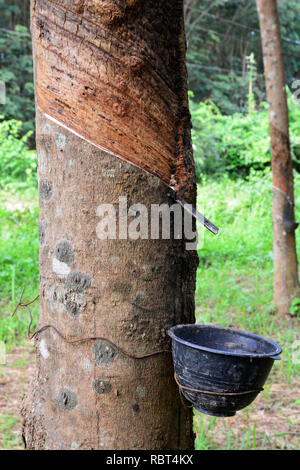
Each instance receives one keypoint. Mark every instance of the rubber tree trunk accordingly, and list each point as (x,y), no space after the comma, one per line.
(286,283)
(89,395)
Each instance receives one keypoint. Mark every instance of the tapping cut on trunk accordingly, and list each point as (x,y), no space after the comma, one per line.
(111,75)
(114,84)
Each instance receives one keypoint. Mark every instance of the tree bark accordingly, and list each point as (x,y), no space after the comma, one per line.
(89,395)
(286,282)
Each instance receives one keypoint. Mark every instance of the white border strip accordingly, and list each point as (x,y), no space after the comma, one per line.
(100,147)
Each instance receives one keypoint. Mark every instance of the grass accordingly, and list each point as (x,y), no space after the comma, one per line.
(234,288)
(14,378)
(235,274)
(9,440)
(19,250)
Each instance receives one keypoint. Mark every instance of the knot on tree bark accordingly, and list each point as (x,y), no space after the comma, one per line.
(108,11)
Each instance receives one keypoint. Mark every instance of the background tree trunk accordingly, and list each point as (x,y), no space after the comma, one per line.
(89,396)
(286,283)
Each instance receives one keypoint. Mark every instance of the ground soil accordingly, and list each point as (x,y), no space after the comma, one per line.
(272,421)
(15,378)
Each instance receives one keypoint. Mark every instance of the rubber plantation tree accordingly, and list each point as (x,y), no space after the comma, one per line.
(110,81)
(286,283)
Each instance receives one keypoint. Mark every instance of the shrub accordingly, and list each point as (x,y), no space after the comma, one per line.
(238,143)
(17,162)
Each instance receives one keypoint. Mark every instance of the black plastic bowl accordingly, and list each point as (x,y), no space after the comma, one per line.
(231,365)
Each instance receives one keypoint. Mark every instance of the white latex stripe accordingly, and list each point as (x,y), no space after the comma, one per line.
(81,136)
(95,145)
(182,202)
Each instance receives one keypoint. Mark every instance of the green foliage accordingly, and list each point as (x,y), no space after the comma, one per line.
(9,440)
(17,163)
(16,68)
(295,308)
(16,71)
(18,227)
(239,143)
(294,124)
(232,144)
(19,250)
(221,35)
(220,92)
